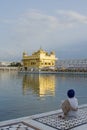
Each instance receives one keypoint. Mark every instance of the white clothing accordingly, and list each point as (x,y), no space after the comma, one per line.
(74,104)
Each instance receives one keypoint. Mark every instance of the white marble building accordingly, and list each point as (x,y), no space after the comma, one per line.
(72,63)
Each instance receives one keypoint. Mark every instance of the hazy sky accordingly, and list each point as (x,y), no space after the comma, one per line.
(53,25)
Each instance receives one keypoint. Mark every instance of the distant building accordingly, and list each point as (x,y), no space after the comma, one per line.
(3,64)
(72,64)
(38,60)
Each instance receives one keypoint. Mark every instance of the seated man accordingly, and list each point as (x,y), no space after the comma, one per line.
(70,105)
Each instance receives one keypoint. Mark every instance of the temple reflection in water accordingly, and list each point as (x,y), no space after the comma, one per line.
(41,85)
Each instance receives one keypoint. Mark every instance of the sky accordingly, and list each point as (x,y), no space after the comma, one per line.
(53,25)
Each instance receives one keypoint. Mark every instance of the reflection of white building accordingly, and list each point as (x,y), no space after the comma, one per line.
(72,63)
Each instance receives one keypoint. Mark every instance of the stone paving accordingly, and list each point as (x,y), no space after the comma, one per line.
(48,121)
(18,126)
(64,124)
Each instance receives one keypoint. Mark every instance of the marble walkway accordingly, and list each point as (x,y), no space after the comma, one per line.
(48,121)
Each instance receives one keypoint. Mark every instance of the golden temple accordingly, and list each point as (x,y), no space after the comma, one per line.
(39,60)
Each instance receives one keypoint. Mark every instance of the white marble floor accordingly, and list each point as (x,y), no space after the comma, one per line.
(48,121)
(18,126)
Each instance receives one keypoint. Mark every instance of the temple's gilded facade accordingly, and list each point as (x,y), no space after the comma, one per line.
(38,60)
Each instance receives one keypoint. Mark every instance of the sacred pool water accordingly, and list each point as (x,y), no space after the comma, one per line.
(23,95)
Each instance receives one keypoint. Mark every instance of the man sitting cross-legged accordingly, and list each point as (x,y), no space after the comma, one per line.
(70,105)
